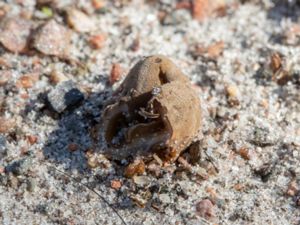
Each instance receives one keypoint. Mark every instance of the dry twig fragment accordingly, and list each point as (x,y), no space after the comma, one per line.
(156,111)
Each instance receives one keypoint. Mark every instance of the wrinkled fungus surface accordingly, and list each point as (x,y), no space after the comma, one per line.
(157,111)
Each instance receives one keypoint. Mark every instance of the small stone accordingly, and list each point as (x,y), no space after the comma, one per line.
(57,77)
(52,39)
(195,152)
(292,34)
(5,76)
(245,153)
(116,184)
(239,187)
(20,167)
(293,188)
(262,136)
(141,180)
(232,91)
(165,198)
(72,147)
(212,192)
(2,146)
(115,73)
(298,201)
(98,4)
(15,33)
(3,180)
(6,124)
(64,95)
(93,162)
(265,171)
(31,185)
(2,170)
(13,181)
(205,209)
(276,62)
(97,41)
(203,9)
(215,50)
(27,81)
(175,17)
(79,21)
(135,44)
(32,139)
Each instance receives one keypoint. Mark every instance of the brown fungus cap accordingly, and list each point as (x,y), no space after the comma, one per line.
(154,116)
(153,71)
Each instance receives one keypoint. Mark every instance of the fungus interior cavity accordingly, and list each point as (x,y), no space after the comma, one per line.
(139,120)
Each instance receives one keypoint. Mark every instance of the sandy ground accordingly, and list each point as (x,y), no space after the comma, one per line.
(245,67)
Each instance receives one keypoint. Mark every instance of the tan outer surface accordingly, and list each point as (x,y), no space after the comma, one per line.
(182,113)
(145,75)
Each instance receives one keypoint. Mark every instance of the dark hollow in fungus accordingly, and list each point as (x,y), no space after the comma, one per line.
(160,112)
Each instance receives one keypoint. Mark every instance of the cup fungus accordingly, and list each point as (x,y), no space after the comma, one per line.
(157,111)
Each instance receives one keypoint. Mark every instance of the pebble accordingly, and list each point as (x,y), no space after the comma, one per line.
(31,184)
(292,188)
(203,9)
(165,198)
(64,95)
(52,39)
(97,41)
(79,21)
(57,77)
(20,167)
(3,180)
(13,181)
(298,201)
(7,124)
(142,180)
(5,76)
(27,81)
(15,33)
(72,147)
(205,209)
(115,73)
(116,184)
(2,146)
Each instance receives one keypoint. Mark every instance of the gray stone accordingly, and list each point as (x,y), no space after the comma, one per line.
(2,146)
(20,167)
(64,95)
(31,184)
